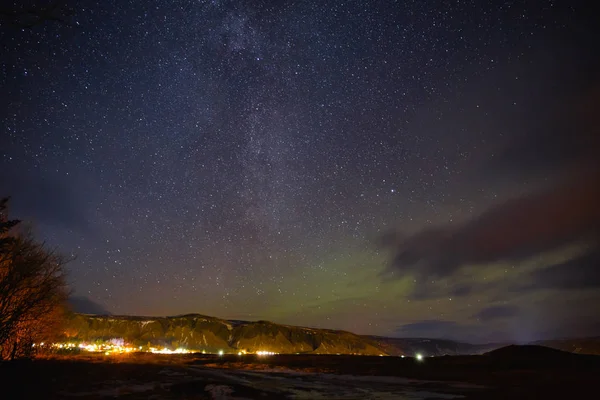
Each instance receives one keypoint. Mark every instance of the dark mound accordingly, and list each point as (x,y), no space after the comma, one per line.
(527,352)
(537,357)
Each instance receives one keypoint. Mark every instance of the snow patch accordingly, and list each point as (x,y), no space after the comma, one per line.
(228,325)
(221,392)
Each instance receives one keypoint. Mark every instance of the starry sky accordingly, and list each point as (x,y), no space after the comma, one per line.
(402,168)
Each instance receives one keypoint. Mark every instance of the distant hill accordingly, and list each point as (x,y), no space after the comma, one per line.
(536,357)
(429,347)
(441,347)
(528,351)
(589,345)
(210,334)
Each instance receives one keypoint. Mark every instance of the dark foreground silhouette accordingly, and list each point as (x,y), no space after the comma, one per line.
(513,372)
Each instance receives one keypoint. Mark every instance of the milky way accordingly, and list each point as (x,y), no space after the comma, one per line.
(245,159)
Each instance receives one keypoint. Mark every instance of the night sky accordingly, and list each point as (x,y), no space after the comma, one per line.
(410,168)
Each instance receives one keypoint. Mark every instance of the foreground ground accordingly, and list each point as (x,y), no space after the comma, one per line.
(148,376)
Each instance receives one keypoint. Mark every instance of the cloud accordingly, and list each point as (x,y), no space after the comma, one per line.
(427,290)
(461,290)
(582,272)
(83,305)
(558,146)
(441,329)
(426,328)
(496,312)
(515,230)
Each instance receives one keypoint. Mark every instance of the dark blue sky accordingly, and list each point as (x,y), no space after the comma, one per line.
(395,168)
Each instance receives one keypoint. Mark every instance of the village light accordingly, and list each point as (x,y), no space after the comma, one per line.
(265,353)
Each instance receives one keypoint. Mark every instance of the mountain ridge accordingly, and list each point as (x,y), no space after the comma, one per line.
(211,334)
(201,332)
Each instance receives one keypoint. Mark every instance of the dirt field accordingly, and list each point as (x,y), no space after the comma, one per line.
(151,376)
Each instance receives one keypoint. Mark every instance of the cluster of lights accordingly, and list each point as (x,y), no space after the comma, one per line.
(265,353)
(111,348)
(178,350)
(119,347)
(61,345)
(108,348)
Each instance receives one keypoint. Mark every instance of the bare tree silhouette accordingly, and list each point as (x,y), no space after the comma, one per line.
(33,290)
